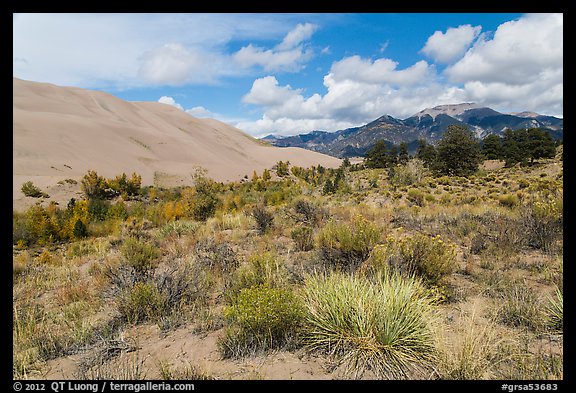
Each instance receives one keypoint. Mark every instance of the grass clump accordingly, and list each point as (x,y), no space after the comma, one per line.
(346,246)
(384,325)
(303,238)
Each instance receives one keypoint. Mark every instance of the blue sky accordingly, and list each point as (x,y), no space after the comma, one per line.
(294,73)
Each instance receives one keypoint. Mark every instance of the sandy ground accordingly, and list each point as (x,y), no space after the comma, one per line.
(62,132)
(182,348)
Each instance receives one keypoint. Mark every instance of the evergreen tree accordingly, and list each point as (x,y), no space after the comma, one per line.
(403,153)
(540,144)
(458,152)
(492,147)
(426,152)
(377,155)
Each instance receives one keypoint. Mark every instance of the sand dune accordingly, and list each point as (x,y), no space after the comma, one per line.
(62,132)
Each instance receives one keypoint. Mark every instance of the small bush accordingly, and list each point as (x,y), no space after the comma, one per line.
(140,255)
(308,213)
(260,319)
(140,303)
(304,238)
(542,221)
(346,246)
(215,256)
(385,325)
(30,190)
(416,197)
(429,257)
(508,200)
(262,269)
(264,219)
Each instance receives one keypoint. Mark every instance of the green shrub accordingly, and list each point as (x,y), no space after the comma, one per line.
(508,200)
(260,319)
(140,255)
(385,325)
(304,238)
(542,222)
(429,257)
(416,196)
(346,246)
(140,303)
(94,186)
(30,190)
(262,269)
(264,219)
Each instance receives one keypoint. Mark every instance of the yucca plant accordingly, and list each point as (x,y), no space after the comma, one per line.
(384,325)
(555,311)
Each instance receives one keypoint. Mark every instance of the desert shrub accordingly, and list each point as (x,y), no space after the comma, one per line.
(264,219)
(38,225)
(140,255)
(282,168)
(140,303)
(80,231)
(303,238)
(215,256)
(405,175)
(347,245)
(385,325)
(519,305)
(416,196)
(542,221)
(118,210)
(429,257)
(30,190)
(259,319)
(508,200)
(261,269)
(308,213)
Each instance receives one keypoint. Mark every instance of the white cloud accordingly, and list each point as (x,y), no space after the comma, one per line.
(447,47)
(302,32)
(382,70)
(358,91)
(124,50)
(170,101)
(289,56)
(200,112)
(520,68)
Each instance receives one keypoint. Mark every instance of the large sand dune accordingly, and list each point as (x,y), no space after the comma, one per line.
(62,132)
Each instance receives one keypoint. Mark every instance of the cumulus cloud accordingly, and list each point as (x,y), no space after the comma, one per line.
(447,47)
(290,55)
(358,91)
(170,101)
(519,68)
(126,50)
(381,70)
(200,112)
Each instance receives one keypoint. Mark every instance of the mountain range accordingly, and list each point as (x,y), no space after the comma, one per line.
(428,124)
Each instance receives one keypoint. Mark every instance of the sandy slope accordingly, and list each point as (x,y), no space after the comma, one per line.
(62,132)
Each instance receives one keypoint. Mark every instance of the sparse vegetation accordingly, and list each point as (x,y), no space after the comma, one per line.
(370,274)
